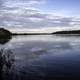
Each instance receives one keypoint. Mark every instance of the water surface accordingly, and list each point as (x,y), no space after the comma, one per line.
(42,57)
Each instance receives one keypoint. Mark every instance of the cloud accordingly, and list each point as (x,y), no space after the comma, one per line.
(22,13)
(21,3)
(34,18)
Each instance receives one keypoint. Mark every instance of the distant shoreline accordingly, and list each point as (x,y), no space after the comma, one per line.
(5,33)
(47,34)
(72,32)
(32,34)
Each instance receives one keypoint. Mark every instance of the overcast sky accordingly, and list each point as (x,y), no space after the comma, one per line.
(39,15)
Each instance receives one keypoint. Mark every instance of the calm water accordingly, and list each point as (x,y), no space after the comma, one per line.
(42,57)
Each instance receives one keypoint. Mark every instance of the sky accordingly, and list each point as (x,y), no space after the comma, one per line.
(39,15)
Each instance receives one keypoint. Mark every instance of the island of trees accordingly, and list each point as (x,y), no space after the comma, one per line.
(71,32)
(4,33)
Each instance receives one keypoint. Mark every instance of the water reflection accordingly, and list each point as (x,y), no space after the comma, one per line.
(43,57)
(5,40)
(7,59)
